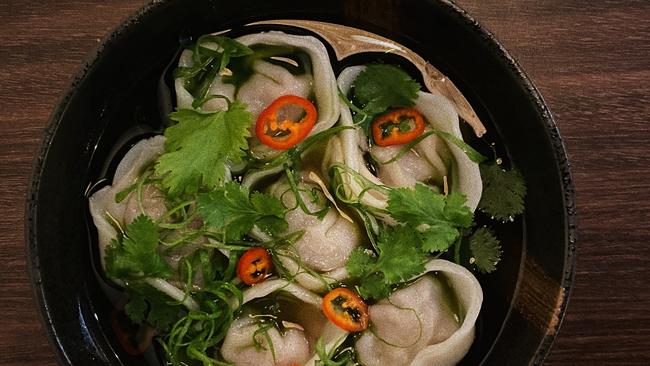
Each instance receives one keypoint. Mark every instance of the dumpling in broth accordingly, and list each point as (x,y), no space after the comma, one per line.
(327,242)
(273,68)
(417,325)
(102,203)
(254,340)
(430,161)
(106,212)
(245,345)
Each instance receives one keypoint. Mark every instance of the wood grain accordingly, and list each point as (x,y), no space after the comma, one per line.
(590,60)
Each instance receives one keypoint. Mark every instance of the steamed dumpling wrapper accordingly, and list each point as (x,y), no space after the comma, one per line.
(416,325)
(429,161)
(102,204)
(271,80)
(295,345)
(327,242)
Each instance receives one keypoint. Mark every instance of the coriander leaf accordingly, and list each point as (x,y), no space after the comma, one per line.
(200,145)
(231,209)
(385,86)
(150,305)
(268,204)
(374,287)
(456,211)
(380,87)
(486,250)
(135,255)
(416,206)
(439,238)
(503,191)
(435,216)
(359,263)
(400,256)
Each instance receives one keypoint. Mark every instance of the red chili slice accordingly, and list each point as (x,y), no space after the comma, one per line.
(254,266)
(346,309)
(397,127)
(286,122)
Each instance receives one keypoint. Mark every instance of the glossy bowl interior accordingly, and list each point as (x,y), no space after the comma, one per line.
(118,97)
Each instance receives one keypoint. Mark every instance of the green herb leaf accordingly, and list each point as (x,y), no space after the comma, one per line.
(400,255)
(503,191)
(439,238)
(360,262)
(150,305)
(135,255)
(485,249)
(231,209)
(400,258)
(456,211)
(436,216)
(200,145)
(374,287)
(380,87)
(384,86)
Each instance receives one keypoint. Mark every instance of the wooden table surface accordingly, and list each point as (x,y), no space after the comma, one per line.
(590,60)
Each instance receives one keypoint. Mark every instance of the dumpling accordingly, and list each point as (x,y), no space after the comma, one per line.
(270,80)
(418,326)
(272,347)
(429,161)
(102,203)
(104,209)
(327,242)
(272,77)
(247,340)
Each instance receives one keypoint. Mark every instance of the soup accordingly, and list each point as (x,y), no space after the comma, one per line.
(293,216)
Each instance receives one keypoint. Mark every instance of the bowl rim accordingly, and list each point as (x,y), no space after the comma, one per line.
(564,168)
(559,149)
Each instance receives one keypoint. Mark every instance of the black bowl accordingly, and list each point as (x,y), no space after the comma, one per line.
(116,98)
